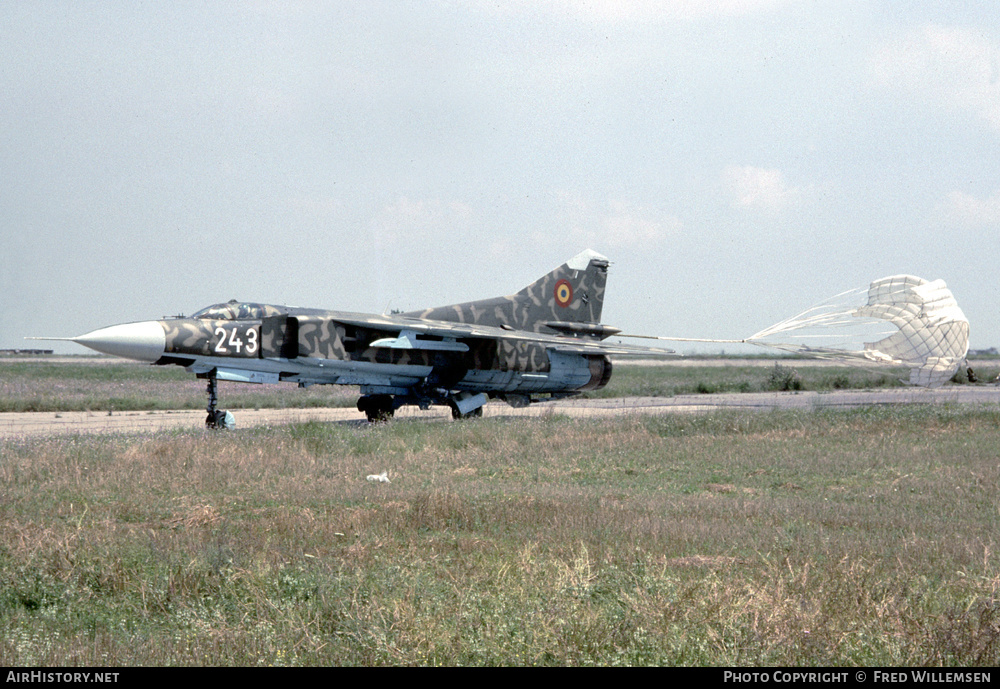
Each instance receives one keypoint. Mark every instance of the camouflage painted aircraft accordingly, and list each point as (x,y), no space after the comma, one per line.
(546,339)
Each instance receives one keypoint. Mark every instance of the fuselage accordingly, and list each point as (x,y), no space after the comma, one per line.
(263,343)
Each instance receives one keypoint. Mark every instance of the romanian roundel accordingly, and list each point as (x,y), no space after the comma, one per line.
(564,293)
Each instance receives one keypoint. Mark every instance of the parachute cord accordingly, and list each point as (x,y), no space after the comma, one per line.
(748,340)
(696,339)
(685,339)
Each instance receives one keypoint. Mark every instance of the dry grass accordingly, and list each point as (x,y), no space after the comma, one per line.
(865,537)
(116,385)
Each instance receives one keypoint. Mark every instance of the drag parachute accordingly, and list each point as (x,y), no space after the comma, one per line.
(900,320)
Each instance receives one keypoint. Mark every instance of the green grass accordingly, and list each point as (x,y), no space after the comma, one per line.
(864,537)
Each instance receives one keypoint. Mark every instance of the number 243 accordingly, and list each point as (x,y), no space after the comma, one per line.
(229,340)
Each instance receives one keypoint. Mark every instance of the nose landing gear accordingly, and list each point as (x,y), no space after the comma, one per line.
(217,418)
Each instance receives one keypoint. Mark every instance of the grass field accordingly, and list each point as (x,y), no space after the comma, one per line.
(865,537)
(123,386)
(126,386)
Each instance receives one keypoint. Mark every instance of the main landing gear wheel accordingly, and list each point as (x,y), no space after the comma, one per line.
(377,408)
(459,416)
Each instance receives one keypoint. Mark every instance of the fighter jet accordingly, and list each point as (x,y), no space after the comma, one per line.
(543,341)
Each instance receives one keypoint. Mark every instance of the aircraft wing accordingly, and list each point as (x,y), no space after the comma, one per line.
(401,326)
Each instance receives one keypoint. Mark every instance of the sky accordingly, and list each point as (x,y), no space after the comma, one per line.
(737,160)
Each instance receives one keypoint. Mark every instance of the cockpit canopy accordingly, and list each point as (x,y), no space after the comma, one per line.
(237,311)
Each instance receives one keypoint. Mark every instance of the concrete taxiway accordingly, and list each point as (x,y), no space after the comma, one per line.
(40,424)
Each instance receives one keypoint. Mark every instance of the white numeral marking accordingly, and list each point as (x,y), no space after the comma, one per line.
(235,341)
(220,332)
(228,341)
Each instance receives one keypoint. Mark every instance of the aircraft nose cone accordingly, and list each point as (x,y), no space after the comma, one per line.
(144,341)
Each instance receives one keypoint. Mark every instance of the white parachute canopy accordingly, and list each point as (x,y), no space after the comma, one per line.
(900,320)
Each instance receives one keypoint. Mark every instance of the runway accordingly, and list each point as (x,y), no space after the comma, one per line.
(41,424)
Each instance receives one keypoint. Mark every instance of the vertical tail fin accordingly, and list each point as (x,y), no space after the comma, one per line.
(571,295)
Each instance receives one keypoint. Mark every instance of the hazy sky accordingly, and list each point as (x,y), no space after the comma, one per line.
(737,160)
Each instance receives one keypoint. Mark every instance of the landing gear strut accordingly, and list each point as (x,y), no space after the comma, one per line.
(217,418)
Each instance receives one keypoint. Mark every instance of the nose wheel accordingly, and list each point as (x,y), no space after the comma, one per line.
(217,418)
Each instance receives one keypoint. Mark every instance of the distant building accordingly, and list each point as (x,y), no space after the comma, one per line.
(992,351)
